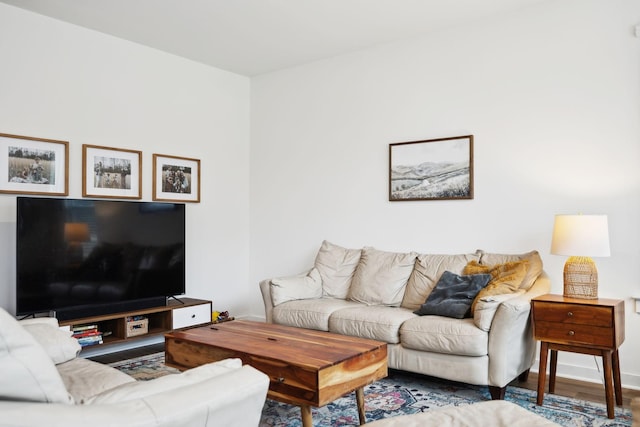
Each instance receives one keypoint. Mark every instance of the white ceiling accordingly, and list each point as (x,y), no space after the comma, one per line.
(251,37)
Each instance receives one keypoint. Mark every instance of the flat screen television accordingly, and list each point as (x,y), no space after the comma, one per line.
(83,257)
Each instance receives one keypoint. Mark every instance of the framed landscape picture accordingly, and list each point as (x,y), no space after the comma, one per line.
(111,172)
(176,179)
(33,165)
(434,169)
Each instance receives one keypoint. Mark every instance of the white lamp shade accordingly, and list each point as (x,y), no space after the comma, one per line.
(581,235)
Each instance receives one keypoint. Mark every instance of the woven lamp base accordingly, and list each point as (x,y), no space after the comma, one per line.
(580,278)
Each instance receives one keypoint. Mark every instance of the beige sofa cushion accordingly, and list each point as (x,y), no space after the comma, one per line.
(336,266)
(444,335)
(427,270)
(309,313)
(533,271)
(26,371)
(59,345)
(374,322)
(142,389)
(305,286)
(381,277)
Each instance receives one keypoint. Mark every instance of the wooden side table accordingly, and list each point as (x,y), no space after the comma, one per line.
(584,326)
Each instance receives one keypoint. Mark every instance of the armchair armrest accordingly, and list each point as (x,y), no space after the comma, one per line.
(233,399)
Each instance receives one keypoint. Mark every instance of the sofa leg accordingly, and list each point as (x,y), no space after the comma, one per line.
(497,393)
(523,376)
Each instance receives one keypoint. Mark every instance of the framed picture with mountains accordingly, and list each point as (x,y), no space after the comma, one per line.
(433,169)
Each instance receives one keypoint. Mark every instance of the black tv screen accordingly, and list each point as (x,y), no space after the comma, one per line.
(92,257)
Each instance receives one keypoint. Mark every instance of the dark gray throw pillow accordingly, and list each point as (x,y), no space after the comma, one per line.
(453,295)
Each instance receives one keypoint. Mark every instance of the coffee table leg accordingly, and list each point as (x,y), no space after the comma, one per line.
(305,413)
(360,401)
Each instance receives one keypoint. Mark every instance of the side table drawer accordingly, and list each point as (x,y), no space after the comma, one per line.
(191,316)
(574,334)
(573,314)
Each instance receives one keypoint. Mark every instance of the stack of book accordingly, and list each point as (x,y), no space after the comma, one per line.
(87,335)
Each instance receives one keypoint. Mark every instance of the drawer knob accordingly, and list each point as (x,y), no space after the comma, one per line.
(570,314)
(280,379)
(193,316)
(571,333)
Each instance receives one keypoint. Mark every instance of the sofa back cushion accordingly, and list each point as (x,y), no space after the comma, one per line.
(534,268)
(427,270)
(381,277)
(336,266)
(27,372)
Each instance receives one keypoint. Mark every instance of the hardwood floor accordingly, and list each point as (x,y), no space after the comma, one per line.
(583,390)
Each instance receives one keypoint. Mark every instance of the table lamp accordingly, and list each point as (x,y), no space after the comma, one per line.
(580,237)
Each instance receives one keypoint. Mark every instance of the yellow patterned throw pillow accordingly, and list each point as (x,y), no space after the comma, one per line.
(505,278)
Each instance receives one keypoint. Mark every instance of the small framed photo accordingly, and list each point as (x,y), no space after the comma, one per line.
(434,169)
(111,172)
(176,179)
(33,165)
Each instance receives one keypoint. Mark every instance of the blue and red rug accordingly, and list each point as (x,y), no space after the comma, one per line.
(403,393)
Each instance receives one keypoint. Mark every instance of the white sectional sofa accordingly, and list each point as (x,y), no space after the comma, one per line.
(43,383)
(420,305)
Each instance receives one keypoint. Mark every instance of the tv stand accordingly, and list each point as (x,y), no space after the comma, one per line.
(175,298)
(173,315)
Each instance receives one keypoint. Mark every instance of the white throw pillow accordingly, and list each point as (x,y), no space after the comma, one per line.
(486,308)
(307,286)
(59,345)
(336,266)
(381,277)
(142,389)
(26,371)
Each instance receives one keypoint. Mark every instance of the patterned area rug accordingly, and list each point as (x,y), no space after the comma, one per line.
(404,393)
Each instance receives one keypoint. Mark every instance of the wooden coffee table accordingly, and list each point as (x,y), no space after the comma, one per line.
(307,368)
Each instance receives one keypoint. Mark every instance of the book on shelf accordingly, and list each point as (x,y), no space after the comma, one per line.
(90,340)
(87,333)
(80,328)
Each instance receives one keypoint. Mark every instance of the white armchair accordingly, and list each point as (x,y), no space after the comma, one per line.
(44,383)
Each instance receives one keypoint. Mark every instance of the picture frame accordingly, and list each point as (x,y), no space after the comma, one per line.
(31,165)
(176,179)
(111,173)
(433,169)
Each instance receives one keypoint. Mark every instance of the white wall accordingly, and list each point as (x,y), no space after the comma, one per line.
(551,94)
(64,82)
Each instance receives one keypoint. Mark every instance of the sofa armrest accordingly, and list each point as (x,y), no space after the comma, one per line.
(265,289)
(511,344)
(233,399)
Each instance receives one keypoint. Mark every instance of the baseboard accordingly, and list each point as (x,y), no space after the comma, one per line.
(591,374)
